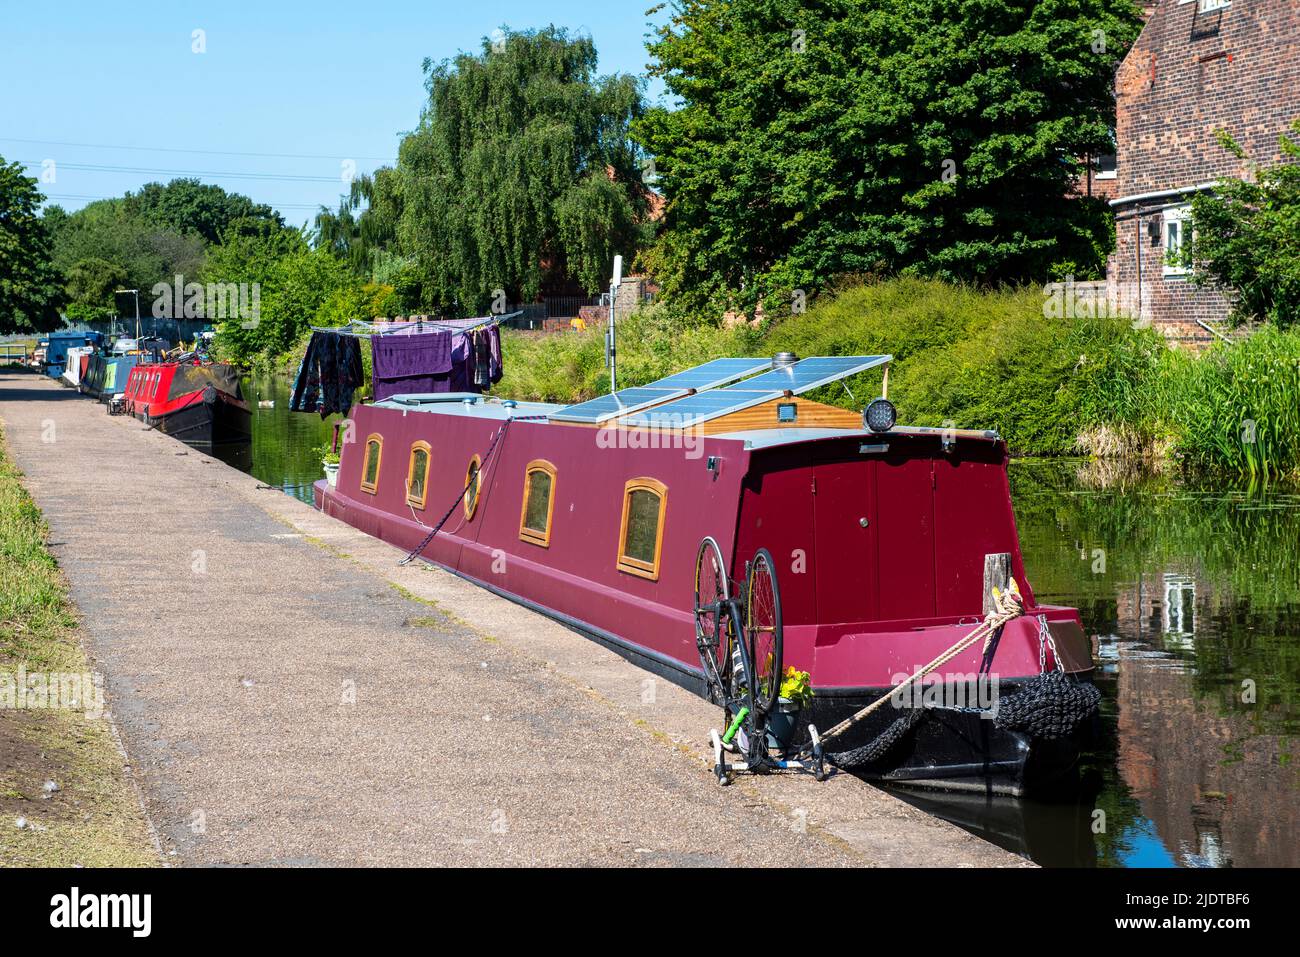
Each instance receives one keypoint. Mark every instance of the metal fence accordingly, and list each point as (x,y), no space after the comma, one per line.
(534,314)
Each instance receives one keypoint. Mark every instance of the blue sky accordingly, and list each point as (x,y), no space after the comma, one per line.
(326,81)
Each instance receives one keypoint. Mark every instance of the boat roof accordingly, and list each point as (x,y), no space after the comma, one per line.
(467,404)
(473,405)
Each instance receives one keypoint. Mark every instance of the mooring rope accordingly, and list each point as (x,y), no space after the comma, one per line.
(1006,605)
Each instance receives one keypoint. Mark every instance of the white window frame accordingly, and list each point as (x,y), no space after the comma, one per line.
(1180,216)
(1209,6)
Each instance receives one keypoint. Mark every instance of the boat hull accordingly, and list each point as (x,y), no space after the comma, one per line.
(210,419)
(951,749)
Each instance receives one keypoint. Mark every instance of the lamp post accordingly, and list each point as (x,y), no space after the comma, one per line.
(136,293)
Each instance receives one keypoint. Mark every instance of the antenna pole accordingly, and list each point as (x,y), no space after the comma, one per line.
(611,349)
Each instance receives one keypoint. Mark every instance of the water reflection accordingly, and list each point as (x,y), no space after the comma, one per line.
(282,453)
(1194,596)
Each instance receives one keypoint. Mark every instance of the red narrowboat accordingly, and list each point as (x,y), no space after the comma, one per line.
(198,402)
(594,515)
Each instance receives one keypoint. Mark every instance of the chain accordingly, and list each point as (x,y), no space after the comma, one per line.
(1045,641)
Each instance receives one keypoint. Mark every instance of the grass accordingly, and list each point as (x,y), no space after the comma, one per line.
(94,817)
(981,359)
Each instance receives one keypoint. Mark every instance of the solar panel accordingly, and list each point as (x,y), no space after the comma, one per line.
(809,373)
(694,409)
(615,404)
(710,374)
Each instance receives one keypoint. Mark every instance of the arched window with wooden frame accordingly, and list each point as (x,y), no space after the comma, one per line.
(417,475)
(538,507)
(370,463)
(472,479)
(641,532)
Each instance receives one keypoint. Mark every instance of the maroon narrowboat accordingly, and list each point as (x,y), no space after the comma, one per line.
(198,402)
(593,514)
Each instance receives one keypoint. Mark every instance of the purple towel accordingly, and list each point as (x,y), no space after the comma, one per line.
(411,363)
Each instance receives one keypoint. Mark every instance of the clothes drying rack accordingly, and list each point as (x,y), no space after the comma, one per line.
(361,327)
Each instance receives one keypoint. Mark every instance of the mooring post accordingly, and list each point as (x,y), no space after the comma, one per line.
(997,574)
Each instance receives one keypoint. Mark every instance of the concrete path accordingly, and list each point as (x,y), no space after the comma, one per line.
(288,695)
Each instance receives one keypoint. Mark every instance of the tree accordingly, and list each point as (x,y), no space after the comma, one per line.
(521,171)
(188,206)
(364,228)
(30,285)
(1246,237)
(816,138)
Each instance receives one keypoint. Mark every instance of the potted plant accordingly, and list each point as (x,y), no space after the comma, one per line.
(796,691)
(330,459)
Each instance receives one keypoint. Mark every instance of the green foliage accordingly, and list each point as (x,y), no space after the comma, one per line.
(30,293)
(980,360)
(363,231)
(521,172)
(816,139)
(146,238)
(189,207)
(1247,238)
(653,342)
(1237,408)
(796,686)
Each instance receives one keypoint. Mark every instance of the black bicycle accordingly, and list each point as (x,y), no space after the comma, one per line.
(739,640)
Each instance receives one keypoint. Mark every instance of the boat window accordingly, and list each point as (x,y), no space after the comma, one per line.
(471,487)
(539,503)
(641,534)
(370,467)
(417,475)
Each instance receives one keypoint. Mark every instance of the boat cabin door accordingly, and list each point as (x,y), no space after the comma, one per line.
(874,521)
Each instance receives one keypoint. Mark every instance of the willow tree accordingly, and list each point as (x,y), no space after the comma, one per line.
(521,174)
(813,138)
(364,227)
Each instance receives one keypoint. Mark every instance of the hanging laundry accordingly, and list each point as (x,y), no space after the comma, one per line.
(494,344)
(329,374)
(482,359)
(412,363)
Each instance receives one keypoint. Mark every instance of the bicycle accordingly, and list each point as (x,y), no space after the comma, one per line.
(739,639)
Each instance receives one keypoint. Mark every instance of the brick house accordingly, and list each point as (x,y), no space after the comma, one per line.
(1198,66)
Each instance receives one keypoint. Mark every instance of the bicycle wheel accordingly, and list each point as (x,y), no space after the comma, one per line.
(763,629)
(711,620)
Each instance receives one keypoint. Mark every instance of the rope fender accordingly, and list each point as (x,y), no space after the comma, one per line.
(1050,705)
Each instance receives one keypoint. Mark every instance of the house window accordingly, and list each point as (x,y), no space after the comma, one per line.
(370,467)
(1208,6)
(539,503)
(1174,226)
(417,475)
(472,487)
(641,532)
(1107,168)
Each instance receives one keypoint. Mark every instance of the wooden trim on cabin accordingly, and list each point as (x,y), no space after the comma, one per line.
(808,415)
(626,563)
(526,533)
(411,499)
(470,503)
(378,440)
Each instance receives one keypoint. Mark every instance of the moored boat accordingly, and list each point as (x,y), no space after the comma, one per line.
(198,402)
(106,375)
(594,514)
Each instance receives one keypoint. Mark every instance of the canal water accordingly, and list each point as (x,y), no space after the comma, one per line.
(1192,591)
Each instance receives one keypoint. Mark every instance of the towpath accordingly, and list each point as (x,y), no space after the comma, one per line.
(288,695)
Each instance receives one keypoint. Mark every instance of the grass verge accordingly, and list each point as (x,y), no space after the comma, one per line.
(62,775)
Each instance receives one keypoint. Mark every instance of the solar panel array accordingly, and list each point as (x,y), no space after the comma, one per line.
(694,409)
(667,402)
(616,404)
(711,374)
(810,373)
